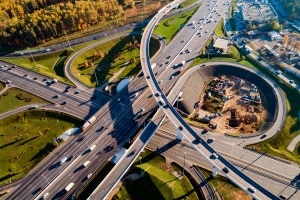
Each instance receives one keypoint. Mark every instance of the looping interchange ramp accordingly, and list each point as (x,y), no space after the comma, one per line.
(235,175)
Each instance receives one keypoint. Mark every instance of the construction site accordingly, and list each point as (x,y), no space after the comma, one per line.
(227,99)
(230,105)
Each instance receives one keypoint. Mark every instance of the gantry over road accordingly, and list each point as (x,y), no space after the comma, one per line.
(235,175)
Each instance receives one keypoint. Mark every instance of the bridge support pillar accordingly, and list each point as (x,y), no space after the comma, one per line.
(215,172)
(179,135)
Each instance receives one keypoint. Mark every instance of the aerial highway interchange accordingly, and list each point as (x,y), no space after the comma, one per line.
(111,124)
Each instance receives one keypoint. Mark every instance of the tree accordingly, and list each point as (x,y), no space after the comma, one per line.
(274,25)
(86,64)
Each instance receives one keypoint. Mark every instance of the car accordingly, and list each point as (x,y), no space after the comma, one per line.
(63,103)
(215,155)
(204,131)
(8,82)
(135,94)
(291,81)
(81,138)
(76,92)
(278,72)
(206,31)
(108,148)
(211,139)
(89,175)
(168,57)
(92,147)
(35,78)
(142,110)
(282,197)
(158,94)
(131,153)
(252,189)
(225,169)
(45,195)
(25,75)
(37,190)
(263,136)
(56,96)
(1,66)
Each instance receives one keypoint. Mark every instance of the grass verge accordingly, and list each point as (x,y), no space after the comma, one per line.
(119,56)
(187,3)
(14,98)
(219,31)
(154,182)
(169,27)
(225,188)
(26,138)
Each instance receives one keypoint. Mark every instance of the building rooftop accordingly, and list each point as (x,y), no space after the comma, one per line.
(221,44)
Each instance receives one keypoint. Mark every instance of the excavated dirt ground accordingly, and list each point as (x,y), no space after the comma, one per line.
(250,118)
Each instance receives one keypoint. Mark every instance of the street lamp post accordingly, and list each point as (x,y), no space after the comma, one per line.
(33,59)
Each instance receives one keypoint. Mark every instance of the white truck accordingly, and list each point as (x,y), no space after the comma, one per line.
(153,65)
(88,123)
(63,160)
(86,163)
(69,187)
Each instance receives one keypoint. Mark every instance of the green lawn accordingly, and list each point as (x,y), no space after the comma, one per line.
(187,3)
(119,54)
(219,31)
(14,98)
(26,138)
(169,27)
(225,188)
(155,183)
(50,64)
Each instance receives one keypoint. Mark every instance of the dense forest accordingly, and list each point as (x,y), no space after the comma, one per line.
(292,7)
(33,22)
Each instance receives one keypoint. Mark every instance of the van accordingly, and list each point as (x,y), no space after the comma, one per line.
(62,160)
(86,163)
(161,102)
(92,147)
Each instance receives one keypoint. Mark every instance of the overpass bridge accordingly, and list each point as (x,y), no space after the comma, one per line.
(183,130)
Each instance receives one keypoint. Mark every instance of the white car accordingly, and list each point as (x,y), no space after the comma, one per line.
(45,195)
(215,155)
(252,189)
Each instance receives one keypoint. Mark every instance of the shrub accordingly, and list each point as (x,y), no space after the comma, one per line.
(166,23)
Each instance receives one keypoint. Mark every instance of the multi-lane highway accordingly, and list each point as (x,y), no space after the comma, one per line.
(113,127)
(201,146)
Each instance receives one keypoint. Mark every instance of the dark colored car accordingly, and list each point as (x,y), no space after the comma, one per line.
(225,170)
